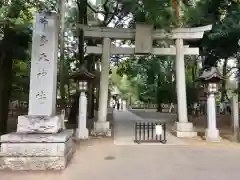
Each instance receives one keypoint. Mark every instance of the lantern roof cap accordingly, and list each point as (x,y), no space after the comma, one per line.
(211,74)
(82,74)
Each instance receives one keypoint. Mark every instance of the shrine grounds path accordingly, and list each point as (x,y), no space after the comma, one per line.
(100,158)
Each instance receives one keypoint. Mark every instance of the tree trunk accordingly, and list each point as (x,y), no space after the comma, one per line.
(194,73)
(82,18)
(159,106)
(97,96)
(159,101)
(68,92)
(91,68)
(224,72)
(89,100)
(93,101)
(238,63)
(6,61)
(62,69)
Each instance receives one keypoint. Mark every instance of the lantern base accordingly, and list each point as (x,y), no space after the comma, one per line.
(212,135)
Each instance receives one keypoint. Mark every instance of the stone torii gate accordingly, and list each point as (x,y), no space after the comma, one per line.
(144,36)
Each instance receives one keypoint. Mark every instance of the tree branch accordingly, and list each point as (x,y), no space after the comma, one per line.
(121,19)
(105,3)
(114,14)
(94,10)
(232,68)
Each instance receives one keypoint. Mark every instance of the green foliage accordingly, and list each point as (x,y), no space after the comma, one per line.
(142,77)
(221,42)
(126,86)
(152,77)
(20,82)
(17,17)
(157,12)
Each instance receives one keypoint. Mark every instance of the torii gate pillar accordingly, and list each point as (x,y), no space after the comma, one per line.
(183,128)
(102,126)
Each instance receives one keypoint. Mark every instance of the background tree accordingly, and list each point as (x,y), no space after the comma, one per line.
(145,78)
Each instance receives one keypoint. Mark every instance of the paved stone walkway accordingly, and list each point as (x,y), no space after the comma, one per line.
(101,159)
(124,122)
(143,163)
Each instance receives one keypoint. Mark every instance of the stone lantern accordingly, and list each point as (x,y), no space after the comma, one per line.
(83,78)
(211,78)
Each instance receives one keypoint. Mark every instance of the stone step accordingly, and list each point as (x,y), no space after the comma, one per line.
(35,149)
(14,137)
(36,163)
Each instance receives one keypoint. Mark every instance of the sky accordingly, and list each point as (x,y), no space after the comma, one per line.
(93,1)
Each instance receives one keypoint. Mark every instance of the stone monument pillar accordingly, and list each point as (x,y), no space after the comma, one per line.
(40,142)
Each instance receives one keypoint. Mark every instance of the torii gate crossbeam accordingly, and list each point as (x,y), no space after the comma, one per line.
(129,51)
(144,36)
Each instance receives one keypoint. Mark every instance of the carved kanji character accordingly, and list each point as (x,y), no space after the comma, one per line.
(44,20)
(41,73)
(41,95)
(43,40)
(43,57)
